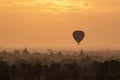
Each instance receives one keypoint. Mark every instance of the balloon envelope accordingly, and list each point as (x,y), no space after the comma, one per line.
(78,35)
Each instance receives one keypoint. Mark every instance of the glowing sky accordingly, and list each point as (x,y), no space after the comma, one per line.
(60,5)
(50,23)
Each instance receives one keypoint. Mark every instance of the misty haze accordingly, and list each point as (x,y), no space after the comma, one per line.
(59,40)
(48,64)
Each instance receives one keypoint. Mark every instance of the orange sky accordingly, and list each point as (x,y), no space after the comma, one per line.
(50,23)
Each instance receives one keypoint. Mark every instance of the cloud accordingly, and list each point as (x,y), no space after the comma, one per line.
(62,5)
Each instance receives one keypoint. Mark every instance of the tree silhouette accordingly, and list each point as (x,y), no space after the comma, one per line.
(4,70)
(108,68)
(13,72)
(38,71)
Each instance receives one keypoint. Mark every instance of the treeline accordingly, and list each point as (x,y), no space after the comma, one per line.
(109,70)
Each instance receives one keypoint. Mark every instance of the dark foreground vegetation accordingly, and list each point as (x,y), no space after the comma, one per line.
(109,70)
(56,66)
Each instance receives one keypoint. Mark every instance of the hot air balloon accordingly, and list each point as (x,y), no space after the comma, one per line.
(78,35)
